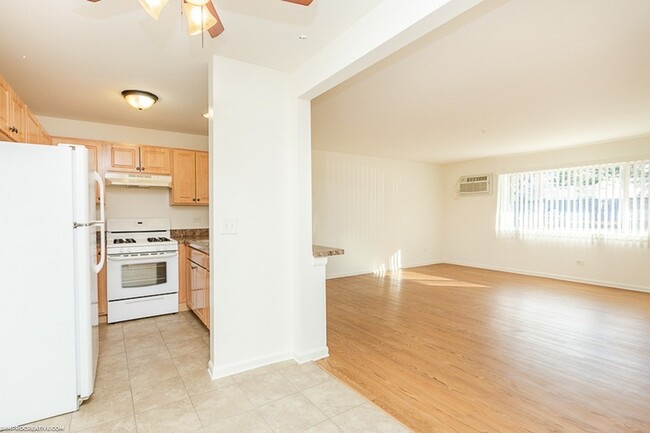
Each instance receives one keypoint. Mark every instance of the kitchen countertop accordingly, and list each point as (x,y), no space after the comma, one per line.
(321,251)
(203,245)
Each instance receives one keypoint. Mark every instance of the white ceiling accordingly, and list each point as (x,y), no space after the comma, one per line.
(506,77)
(509,76)
(71,58)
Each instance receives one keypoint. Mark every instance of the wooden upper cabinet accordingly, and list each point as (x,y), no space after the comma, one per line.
(189,178)
(183,177)
(94,154)
(124,157)
(5,107)
(18,113)
(155,160)
(34,132)
(139,159)
(94,150)
(202,178)
(33,129)
(44,138)
(17,122)
(12,113)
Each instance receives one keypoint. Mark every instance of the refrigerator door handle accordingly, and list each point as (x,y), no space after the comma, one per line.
(102,223)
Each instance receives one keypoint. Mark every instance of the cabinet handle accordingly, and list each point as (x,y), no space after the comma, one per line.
(142,169)
(137,168)
(193,199)
(198,199)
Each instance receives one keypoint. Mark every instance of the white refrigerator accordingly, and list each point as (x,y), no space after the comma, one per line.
(49,222)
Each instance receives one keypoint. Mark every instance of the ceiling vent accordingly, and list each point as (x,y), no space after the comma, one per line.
(475,185)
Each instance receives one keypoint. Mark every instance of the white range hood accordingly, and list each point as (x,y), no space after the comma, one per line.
(138,180)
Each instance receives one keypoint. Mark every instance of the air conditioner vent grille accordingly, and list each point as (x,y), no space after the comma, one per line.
(474,185)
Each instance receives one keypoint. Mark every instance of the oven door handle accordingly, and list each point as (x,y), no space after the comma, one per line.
(147,257)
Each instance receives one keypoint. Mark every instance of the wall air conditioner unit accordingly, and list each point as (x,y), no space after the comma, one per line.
(475,185)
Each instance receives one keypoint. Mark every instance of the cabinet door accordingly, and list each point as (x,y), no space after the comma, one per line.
(94,154)
(123,157)
(183,177)
(44,138)
(17,111)
(93,146)
(204,275)
(5,106)
(182,273)
(202,178)
(33,129)
(191,277)
(155,160)
(202,284)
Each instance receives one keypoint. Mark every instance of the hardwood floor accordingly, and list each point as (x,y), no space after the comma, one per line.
(448,348)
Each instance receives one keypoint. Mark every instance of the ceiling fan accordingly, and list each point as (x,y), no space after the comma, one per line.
(201,14)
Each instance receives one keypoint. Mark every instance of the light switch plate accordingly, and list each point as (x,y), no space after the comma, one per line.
(229,226)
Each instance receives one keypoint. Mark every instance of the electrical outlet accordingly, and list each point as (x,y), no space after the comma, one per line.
(580,262)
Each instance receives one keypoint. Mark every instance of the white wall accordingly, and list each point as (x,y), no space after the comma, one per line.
(268,291)
(469,224)
(122,202)
(377,210)
(251,164)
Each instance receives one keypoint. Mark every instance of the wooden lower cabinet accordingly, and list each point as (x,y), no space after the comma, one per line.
(182,274)
(198,287)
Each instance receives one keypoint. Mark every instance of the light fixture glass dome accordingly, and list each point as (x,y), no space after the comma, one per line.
(154,7)
(139,99)
(199,18)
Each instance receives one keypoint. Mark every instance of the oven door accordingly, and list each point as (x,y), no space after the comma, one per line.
(141,274)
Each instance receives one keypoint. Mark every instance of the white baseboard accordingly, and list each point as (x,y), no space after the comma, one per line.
(312,355)
(372,271)
(240,367)
(570,278)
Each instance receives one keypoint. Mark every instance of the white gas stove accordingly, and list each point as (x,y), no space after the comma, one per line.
(142,271)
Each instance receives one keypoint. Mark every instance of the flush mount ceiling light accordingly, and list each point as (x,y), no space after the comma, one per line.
(201,14)
(139,99)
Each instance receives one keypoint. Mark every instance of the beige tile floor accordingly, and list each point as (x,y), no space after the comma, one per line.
(152,377)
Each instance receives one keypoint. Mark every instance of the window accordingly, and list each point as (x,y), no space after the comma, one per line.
(608,201)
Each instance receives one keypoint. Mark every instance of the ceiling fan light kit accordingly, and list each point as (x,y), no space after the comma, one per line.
(201,14)
(199,18)
(154,7)
(139,99)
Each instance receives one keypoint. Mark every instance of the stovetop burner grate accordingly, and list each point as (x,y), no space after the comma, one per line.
(124,241)
(158,239)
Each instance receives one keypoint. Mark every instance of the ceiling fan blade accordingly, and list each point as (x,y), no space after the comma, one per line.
(300,2)
(218,28)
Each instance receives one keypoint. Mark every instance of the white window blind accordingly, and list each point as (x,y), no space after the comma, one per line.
(608,201)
